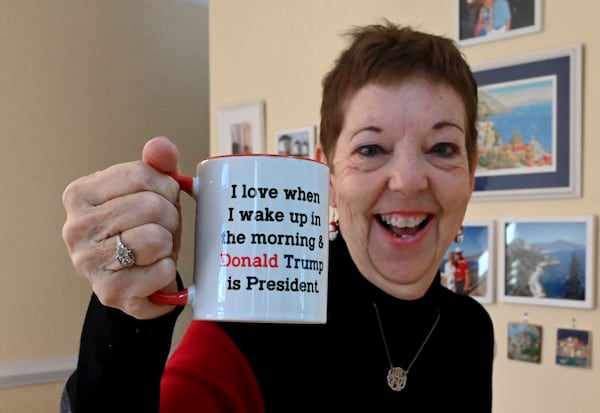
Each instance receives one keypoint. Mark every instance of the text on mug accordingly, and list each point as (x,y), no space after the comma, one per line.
(262,192)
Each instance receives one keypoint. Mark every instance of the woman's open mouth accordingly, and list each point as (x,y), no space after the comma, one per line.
(403,227)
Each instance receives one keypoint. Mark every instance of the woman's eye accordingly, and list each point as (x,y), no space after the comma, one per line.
(445,149)
(370,150)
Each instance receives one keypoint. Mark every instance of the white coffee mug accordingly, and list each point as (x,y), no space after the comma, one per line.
(261,240)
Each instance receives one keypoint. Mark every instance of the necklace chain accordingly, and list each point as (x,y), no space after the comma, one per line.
(397,376)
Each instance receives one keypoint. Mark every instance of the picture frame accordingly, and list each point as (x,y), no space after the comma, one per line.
(547,261)
(478,248)
(529,126)
(296,142)
(476,24)
(242,128)
(573,347)
(524,342)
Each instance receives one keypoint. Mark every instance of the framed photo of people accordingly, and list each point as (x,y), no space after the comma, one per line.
(481,21)
(547,260)
(242,128)
(468,265)
(529,126)
(297,142)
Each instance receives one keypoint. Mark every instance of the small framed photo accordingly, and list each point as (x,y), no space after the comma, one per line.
(547,260)
(242,128)
(481,21)
(477,250)
(297,142)
(525,342)
(573,347)
(529,127)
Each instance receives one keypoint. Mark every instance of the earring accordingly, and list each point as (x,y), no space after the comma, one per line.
(460,235)
(333,227)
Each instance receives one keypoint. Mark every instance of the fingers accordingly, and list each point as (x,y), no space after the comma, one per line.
(116,181)
(149,243)
(96,223)
(139,201)
(161,154)
(129,288)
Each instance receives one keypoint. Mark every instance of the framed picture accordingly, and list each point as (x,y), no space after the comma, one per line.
(573,347)
(547,260)
(529,127)
(242,128)
(480,21)
(525,342)
(477,249)
(297,142)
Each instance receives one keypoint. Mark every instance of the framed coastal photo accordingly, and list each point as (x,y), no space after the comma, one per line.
(481,21)
(477,249)
(242,128)
(573,347)
(296,142)
(529,127)
(547,260)
(525,342)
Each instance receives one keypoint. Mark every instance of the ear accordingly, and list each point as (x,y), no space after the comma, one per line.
(320,157)
(473,182)
(320,154)
(473,168)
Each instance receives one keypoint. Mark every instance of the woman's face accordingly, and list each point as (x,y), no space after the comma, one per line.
(400,181)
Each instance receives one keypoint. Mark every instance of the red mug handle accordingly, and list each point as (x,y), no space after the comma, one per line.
(187,295)
(186,183)
(179,298)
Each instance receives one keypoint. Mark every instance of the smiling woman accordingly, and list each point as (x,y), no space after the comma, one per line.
(398,132)
(411,172)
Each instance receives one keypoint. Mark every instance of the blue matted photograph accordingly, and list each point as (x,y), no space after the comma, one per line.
(529,127)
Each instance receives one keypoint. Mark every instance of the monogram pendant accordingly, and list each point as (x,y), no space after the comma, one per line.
(396,378)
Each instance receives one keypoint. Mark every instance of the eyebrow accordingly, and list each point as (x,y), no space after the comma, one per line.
(445,123)
(436,126)
(369,128)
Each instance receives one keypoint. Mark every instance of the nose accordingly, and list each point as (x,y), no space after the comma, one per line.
(407,173)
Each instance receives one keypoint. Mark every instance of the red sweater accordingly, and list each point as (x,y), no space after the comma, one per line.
(208,373)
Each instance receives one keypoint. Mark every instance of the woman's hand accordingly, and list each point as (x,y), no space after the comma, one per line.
(140,202)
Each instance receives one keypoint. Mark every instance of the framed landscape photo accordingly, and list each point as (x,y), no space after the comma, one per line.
(477,248)
(529,127)
(242,128)
(525,342)
(573,347)
(296,142)
(547,260)
(481,21)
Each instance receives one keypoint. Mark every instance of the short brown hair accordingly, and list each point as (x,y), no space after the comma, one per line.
(385,53)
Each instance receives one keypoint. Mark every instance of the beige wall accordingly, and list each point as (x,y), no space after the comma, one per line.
(83,85)
(277,50)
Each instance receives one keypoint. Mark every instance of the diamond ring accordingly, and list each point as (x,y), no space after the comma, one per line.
(124,255)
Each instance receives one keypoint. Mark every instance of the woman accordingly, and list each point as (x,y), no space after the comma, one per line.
(448,273)
(484,18)
(462,276)
(398,132)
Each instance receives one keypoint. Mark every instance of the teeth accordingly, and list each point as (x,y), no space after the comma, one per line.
(403,222)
